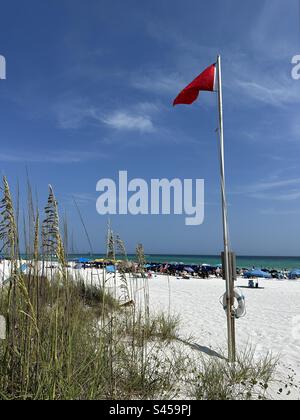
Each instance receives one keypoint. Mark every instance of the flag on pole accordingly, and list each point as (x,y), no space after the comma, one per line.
(206,81)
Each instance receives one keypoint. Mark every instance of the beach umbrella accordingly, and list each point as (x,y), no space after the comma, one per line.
(257,273)
(110,269)
(25,268)
(188,269)
(295,274)
(83,260)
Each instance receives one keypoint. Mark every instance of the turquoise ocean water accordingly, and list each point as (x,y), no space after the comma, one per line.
(242,261)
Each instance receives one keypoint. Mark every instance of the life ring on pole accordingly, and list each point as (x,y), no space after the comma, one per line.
(239,310)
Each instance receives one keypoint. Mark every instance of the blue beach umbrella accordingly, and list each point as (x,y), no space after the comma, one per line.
(295,274)
(110,269)
(257,273)
(83,260)
(24,268)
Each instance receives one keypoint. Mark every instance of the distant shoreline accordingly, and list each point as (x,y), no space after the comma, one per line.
(279,263)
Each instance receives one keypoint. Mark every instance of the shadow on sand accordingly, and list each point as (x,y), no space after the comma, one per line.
(203,349)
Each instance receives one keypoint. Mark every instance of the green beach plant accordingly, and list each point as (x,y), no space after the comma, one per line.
(247,379)
(8,226)
(110,243)
(50,226)
(70,336)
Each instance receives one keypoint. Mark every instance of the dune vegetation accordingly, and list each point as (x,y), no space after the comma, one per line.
(69,339)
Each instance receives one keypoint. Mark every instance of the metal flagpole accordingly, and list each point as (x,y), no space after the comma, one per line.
(228,274)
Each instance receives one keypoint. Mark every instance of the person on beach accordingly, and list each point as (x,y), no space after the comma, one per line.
(204,273)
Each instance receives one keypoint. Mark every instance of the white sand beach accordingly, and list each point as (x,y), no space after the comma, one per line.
(272,322)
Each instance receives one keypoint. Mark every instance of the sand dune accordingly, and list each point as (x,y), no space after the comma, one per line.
(272,322)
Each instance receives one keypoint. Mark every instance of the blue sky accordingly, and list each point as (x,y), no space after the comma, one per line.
(89,90)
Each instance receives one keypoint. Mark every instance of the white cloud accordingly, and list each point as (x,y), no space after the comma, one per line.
(138,117)
(73,114)
(123,120)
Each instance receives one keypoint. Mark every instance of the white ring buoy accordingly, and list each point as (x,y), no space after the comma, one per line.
(240,310)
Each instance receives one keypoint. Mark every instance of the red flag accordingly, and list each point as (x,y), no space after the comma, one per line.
(204,82)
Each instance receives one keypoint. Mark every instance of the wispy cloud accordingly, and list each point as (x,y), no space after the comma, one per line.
(59,157)
(72,113)
(279,196)
(123,120)
(278,212)
(80,198)
(158,82)
(270,91)
(141,117)
(281,190)
(258,72)
(276,31)
(77,113)
(271,185)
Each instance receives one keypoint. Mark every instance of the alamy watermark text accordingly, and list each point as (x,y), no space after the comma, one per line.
(159,197)
(2,67)
(296,68)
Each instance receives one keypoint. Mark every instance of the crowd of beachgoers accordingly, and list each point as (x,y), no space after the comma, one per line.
(179,269)
(174,269)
